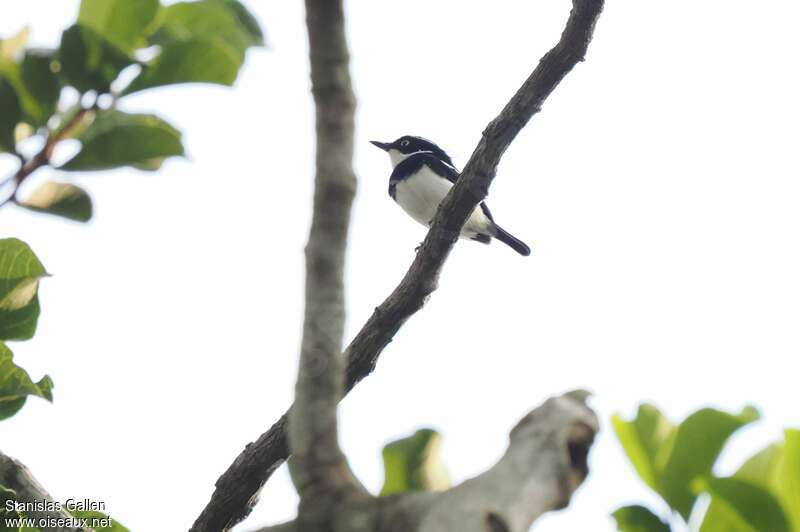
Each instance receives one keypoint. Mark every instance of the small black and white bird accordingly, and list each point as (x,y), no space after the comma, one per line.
(423,175)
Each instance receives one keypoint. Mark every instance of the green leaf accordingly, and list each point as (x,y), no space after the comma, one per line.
(32,110)
(246,19)
(199,60)
(117,139)
(20,324)
(41,81)
(642,439)
(5,496)
(740,506)
(777,469)
(202,41)
(764,467)
(10,114)
(120,22)
(29,74)
(88,62)
(61,199)
(637,518)
(414,464)
(207,19)
(99,521)
(698,442)
(789,491)
(668,458)
(16,385)
(20,272)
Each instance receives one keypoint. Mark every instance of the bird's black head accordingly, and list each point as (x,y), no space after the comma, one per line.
(408,144)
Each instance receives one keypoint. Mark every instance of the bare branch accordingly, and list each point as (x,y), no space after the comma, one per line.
(237,487)
(14,475)
(545,462)
(321,473)
(321,470)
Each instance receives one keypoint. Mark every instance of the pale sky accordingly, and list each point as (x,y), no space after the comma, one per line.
(658,188)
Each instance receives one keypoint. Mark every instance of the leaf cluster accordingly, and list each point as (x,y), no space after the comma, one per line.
(108,37)
(677,461)
(72,91)
(20,273)
(115,48)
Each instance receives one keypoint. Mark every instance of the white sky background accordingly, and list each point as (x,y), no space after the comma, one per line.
(658,188)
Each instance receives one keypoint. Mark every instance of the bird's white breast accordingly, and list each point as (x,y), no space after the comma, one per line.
(420,195)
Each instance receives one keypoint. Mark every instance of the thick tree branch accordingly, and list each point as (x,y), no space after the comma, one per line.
(14,475)
(321,473)
(545,462)
(238,486)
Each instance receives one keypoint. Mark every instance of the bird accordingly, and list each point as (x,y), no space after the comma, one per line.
(422,176)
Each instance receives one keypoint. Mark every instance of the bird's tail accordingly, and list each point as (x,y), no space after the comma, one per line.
(514,243)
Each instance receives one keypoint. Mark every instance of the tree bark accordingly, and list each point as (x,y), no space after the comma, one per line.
(320,470)
(319,383)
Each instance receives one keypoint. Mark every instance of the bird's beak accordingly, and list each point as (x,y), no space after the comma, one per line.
(385,146)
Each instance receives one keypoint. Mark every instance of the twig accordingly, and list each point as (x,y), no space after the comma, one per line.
(237,488)
(42,158)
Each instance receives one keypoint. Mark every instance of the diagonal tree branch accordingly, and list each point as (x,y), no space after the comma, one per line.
(237,488)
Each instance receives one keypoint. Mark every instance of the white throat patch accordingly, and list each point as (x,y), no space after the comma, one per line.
(398,157)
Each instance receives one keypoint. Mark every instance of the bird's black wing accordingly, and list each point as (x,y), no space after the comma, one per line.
(441,168)
(451,174)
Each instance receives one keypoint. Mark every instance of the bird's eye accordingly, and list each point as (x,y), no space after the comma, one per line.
(404,143)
